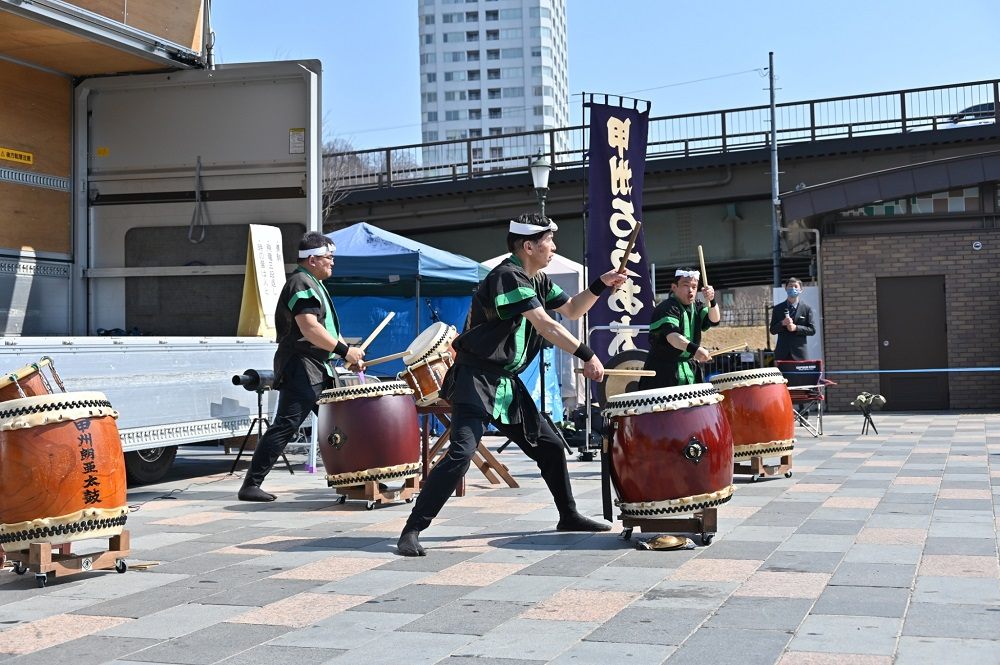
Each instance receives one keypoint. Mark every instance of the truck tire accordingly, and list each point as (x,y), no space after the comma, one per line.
(148,466)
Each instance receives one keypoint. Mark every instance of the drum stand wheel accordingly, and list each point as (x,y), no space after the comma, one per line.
(704,523)
(374,493)
(42,560)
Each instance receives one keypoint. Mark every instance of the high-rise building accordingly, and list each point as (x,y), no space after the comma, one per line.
(490,68)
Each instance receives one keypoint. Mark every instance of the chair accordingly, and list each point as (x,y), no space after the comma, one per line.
(807,387)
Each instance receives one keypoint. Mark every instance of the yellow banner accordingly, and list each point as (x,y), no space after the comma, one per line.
(265,275)
(19,156)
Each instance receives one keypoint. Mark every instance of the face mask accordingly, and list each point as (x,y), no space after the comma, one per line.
(793,292)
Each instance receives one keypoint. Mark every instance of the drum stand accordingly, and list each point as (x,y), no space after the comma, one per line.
(703,522)
(757,469)
(375,492)
(42,560)
(259,422)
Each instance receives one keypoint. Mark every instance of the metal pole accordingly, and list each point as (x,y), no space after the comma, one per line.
(775,201)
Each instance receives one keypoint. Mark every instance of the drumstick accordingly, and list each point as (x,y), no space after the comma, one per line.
(371,338)
(628,250)
(727,350)
(385,359)
(701,263)
(623,372)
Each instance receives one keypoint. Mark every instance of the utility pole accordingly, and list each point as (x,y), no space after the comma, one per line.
(775,201)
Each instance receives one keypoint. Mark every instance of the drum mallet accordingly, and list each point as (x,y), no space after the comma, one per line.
(385,359)
(623,372)
(371,338)
(623,266)
(701,264)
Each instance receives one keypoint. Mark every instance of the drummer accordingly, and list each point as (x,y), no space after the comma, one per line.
(675,329)
(308,339)
(507,323)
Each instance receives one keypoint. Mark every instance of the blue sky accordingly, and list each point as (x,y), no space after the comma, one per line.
(663,48)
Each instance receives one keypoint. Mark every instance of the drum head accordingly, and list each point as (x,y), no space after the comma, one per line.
(616,385)
(364,390)
(672,398)
(432,340)
(748,377)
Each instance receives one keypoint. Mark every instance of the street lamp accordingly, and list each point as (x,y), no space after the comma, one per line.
(540,169)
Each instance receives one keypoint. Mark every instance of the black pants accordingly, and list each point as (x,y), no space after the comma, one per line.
(296,398)
(467,426)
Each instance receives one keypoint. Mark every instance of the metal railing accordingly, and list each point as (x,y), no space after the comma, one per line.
(713,132)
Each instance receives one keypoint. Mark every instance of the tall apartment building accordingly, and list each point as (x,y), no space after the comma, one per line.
(490,68)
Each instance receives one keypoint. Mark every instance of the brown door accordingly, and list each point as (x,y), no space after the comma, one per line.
(912,334)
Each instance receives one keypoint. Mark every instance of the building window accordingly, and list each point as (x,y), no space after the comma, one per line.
(452,95)
(472,36)
(429,97)
(475,133)
(496,131)
(454,76)
(513,92)
(511,33)
(429,19)
(510,13)
(496,153)
(513,72)
(493,93)
(472,56)
(431,116)
(493,54)
(450,37)
(454,56)
(496,113)
(450,115)
(475,95)
(540,12)
(427,59)
(431,77)
(473,74)
(475,114)
(427,39)
(512,53)
(452,18)
(492,35)
(471,17)
(477,153)
(430,136)
(492,74)
(492,15)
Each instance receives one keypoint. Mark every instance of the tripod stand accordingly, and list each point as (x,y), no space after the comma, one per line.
(260,422)
(542,364)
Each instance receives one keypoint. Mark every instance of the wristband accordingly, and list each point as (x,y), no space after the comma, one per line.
(597,287)
(711,303)
(583,352)
(340,349)
(691,348)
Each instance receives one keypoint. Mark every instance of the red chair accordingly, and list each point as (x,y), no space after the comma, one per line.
(807,387)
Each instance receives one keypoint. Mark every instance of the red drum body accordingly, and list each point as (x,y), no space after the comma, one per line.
(430,356)
(671,450)
(759,409)
(369,432)
(28,381)
(62,470)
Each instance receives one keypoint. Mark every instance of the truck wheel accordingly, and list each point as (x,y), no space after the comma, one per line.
(148,466)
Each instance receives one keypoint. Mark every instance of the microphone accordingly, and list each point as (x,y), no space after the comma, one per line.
(435,317)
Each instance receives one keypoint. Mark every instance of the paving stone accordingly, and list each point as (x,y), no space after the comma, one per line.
(467,616)
(522,588)
(968,546)
(938,650)
(261,592)
(731,646)
(626,579)
(962,621)
(269,654)
(649,626)
(508,639)
(853,634)
(957,590)
(483,660)
(831,527)
(414,599)
(883,553)
(89,650)
(863,601)
(602,653)
(783,614)
(347,630)
(209,645)
(435,560)
(654,559)
(142,604)
(566,565)
(802,562)
(175,621)
(807,542)
(730,548)
(419,649)
(201,563)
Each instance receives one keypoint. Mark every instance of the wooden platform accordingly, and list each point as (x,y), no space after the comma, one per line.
(371,492)
(45,558)
(703,523)
(757,469)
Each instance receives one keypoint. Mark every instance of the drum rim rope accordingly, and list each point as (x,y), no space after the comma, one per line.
(383,389)
(662,399)
(682,505)
(768,449)
(36,410)
(399,471)
(749,377)
(85,524)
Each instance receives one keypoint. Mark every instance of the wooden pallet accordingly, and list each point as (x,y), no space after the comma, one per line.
(757,469)
(369,491)
(45,558)
(703,523)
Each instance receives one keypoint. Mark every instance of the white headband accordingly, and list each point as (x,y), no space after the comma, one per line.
(693,274)
(521,229)
(325,250)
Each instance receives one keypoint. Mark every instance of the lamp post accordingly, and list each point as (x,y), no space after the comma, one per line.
(540,169)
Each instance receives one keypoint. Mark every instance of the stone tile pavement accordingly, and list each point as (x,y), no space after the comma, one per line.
(880,549)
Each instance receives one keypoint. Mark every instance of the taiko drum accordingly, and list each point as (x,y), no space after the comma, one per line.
(62,470)
(671,450)
(430,357)
(369,432)
(759,409)
(28,381)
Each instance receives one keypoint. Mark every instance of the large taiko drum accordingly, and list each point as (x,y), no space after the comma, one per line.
(430,356)
(29,381)
(369,432)
(62,470)
(759,409)
(671,450)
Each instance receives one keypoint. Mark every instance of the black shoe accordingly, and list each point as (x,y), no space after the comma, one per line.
(409,545)
(254,493)
(578,522)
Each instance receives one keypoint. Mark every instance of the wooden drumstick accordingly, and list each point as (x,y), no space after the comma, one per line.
(623,372)
(371,338)
(727,350)
(701,264)
(385,359)
(628,250)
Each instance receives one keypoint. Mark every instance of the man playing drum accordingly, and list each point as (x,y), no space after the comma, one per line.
(507,323)
(308,338)
(675,334)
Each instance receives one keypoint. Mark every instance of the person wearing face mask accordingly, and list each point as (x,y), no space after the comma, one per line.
(792,321)
(675,328)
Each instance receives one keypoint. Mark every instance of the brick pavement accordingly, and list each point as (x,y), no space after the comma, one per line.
(880,549)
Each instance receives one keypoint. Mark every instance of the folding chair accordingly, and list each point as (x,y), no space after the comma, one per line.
(807,387)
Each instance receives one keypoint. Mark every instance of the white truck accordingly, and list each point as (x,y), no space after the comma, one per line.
(130,171)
